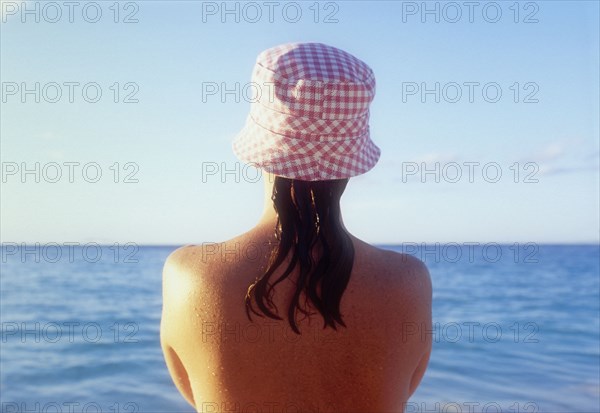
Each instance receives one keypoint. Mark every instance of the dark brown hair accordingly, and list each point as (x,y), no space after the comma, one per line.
(308,223)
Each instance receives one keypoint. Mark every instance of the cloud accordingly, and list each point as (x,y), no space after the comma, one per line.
(556,170)
(565,157)
(551,151)
(556,157)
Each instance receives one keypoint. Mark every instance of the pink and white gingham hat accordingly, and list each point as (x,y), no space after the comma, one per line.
(309,118)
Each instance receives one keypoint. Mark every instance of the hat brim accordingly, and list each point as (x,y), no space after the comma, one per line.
(307,160)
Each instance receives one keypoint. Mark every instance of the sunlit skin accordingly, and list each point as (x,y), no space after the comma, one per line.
(220,361)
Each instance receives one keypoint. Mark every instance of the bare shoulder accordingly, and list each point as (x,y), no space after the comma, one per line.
(184,268)
(183,281)
(191,258)
(410,267)
(177,275)
(402,273)
(203,264)
(414,284)
(178,260)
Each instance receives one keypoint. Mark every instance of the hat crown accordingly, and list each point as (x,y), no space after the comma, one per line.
(315,62)
(310,118)
(313,80)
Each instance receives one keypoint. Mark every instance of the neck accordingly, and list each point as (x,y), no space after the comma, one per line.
(269,215)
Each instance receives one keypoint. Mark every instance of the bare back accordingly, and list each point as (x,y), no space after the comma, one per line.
(221,361)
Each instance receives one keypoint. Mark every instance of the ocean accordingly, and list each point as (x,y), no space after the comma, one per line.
(516,329)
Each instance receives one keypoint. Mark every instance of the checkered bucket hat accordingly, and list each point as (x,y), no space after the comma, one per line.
(309,117)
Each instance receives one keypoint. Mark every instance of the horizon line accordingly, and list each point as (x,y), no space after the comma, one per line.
(377,244)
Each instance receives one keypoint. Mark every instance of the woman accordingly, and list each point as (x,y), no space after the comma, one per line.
(298,315)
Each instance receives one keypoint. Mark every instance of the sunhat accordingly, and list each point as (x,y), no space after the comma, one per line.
(309,116)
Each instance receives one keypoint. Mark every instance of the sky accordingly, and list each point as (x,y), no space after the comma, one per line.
(486,113)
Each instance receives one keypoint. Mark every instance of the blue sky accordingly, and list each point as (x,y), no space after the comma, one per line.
(548,131)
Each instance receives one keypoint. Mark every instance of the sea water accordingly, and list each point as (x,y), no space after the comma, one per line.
(516,329)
